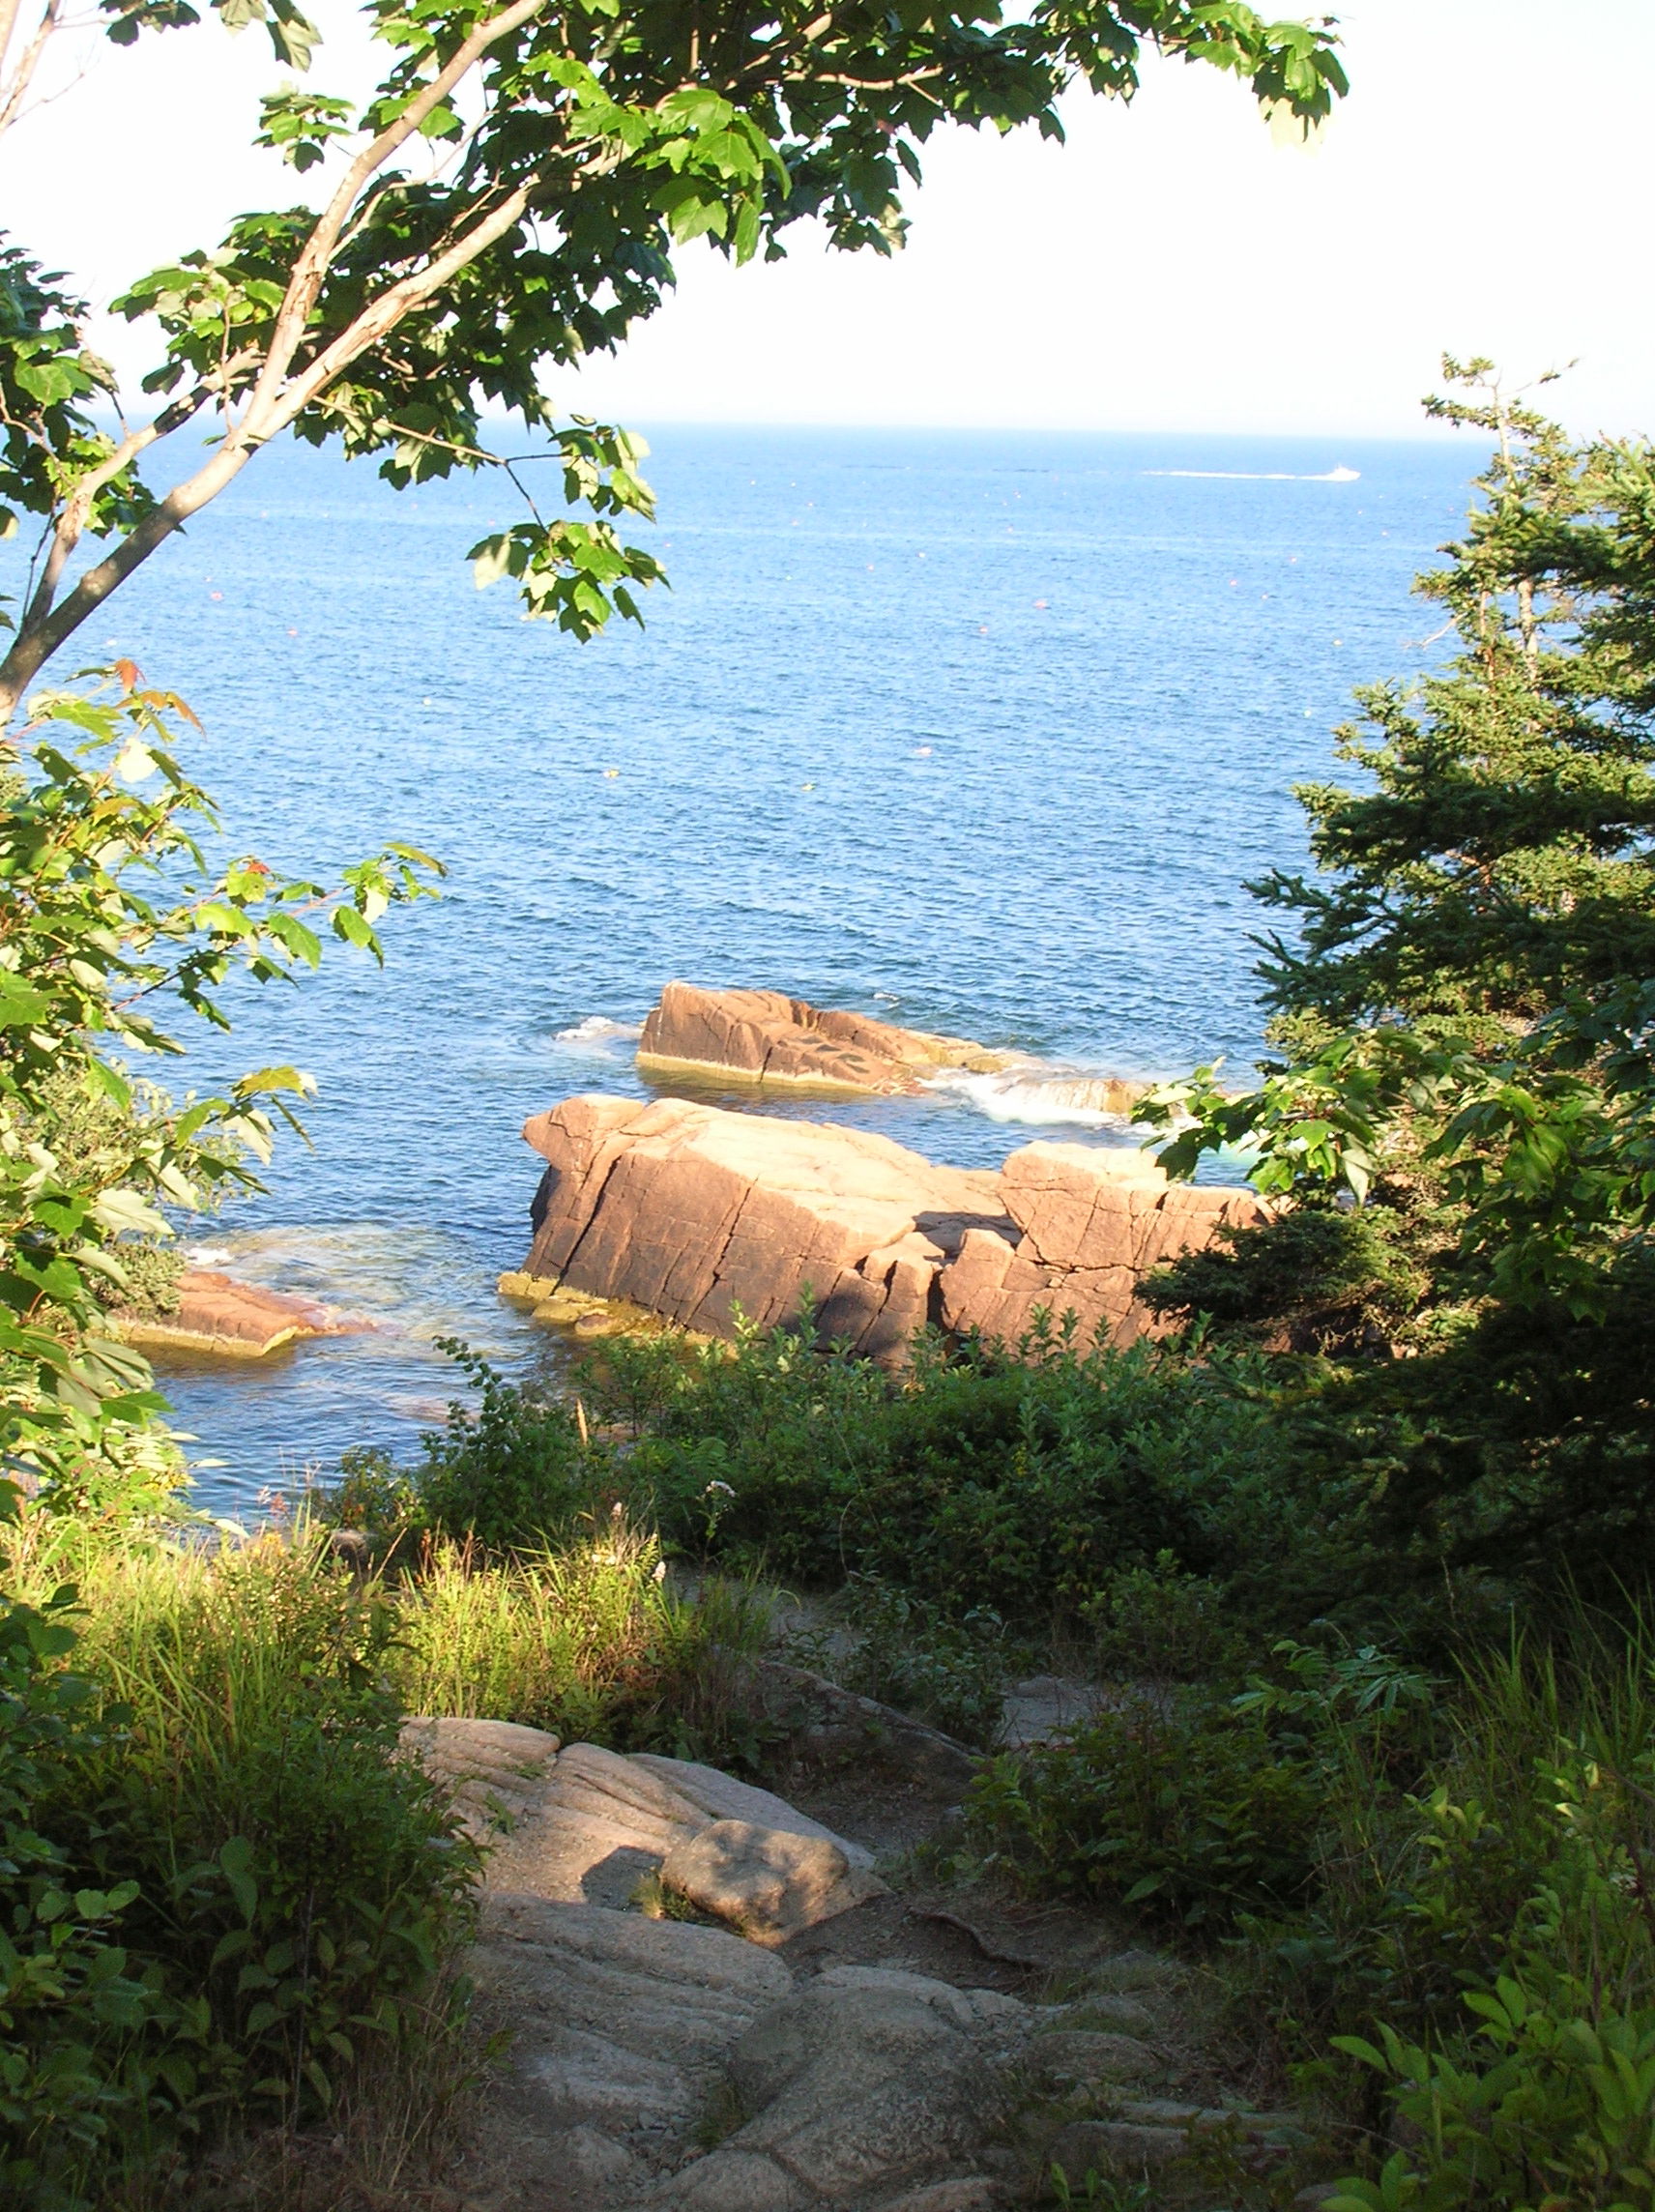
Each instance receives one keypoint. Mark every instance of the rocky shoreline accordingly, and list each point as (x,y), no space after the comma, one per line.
(681,1211)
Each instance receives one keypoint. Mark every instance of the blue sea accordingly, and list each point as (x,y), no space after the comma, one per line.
(979,732)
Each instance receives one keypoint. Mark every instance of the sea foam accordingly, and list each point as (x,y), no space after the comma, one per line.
(1037,1097)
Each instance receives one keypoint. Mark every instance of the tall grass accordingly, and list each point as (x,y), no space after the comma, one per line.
(590,1641)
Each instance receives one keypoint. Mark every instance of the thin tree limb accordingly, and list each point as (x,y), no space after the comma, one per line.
(12,96)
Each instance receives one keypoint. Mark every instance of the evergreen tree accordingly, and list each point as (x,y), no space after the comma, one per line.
(1503,856)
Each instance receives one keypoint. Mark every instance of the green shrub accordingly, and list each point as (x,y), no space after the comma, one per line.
(373,1496)
(1160,1622)
(974,1479)
(511,1474)
(1549,2103)
(1173,1805)
(68,2002)
(909,1653)
(1199,1809)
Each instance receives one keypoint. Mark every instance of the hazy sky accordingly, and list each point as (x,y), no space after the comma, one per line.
(1484,189)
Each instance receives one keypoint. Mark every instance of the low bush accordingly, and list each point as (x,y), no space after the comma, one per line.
(1550,2100)
(907,1652)
(974,1479)
(511,1472)
(1173,1805)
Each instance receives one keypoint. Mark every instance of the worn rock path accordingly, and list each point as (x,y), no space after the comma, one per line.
(803,2036)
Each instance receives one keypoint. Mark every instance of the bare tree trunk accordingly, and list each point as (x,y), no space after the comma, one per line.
(36,641)
(13,89)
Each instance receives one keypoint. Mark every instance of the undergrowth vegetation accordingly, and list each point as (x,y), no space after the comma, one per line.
(226,1901)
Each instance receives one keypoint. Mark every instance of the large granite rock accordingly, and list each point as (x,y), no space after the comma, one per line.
(583,1825)
(763,1036)
(696,1213)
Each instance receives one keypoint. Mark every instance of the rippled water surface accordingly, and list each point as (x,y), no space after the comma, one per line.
(981,733)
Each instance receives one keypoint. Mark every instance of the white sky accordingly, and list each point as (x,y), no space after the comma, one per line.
(1484,189)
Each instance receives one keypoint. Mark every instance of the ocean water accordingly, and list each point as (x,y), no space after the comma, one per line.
(979,732)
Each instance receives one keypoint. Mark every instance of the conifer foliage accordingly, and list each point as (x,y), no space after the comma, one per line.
(1503,853)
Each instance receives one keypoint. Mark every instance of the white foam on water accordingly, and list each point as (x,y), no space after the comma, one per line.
(1036,1098)
(598,1029)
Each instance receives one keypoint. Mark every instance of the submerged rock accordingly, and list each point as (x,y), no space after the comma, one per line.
(764,1037)
(697,1214)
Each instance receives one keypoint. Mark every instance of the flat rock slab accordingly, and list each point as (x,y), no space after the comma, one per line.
(495,1771)
(764,1037)
(1043,1706)
(1085,2054)
(622,2025)
(854,2090)
(841,1725)
(634,2041)
(602,1824)
(232,1321)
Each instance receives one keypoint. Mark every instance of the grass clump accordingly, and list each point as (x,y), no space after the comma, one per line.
(590,1641)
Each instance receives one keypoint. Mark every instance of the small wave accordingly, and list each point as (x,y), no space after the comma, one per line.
(1339,475)
(1040,1099)
(598,1029)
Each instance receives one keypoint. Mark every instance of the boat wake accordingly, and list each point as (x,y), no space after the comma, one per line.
(1339,475)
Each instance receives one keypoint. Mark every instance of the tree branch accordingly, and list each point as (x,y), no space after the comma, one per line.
(316,258)
(12,95)
(382,315)
(72,523)
(36,641)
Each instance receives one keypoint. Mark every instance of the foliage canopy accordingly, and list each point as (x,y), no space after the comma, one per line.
(510,199)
